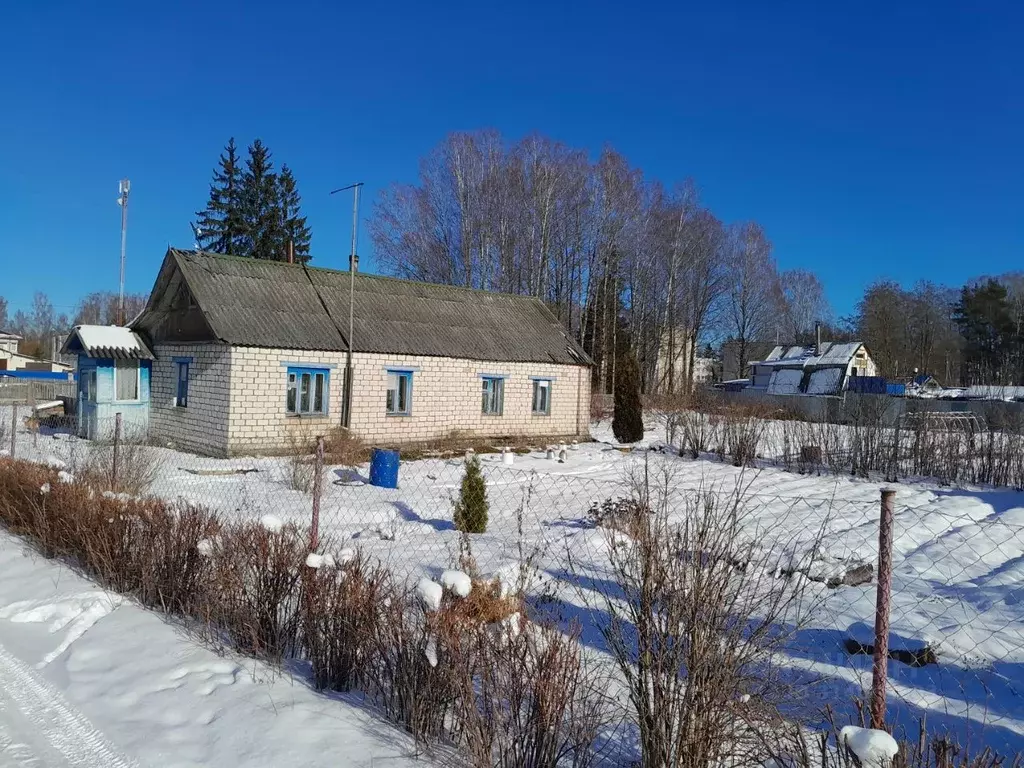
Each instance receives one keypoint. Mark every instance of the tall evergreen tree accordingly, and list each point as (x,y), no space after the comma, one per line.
(294,229)
(990,344)
(220,227)
(261,205)
(628,421)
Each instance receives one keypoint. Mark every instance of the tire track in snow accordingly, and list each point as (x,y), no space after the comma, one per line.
(64,728)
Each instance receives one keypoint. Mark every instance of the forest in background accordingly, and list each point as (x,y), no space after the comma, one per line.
(633,267)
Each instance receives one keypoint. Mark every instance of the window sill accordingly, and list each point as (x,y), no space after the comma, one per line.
(493,415)
(541,415)
(308,416)
(398,415)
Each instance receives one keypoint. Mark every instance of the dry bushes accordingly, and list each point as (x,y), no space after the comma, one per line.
(694,621)
(529,697)
(344,448)
(254,589)
(342,611)
(131,467)
(920,750)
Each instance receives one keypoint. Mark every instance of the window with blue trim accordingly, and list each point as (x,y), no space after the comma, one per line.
(398,401)
(307,391)
(493,395)
(541,397)
(181,398)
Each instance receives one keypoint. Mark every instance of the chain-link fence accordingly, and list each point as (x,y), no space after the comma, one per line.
(955,645)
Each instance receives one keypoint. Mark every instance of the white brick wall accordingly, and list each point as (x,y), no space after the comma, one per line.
(237,399)
(446,396)
(203,425)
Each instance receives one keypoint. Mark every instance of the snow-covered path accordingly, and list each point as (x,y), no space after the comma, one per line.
(39,728)
(89,680)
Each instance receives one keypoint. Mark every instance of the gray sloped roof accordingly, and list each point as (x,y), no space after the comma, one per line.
(252,302)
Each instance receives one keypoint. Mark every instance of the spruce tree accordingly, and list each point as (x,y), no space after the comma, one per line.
(294,229)
(471,508)
(628,421)
(260,205)
(220,227)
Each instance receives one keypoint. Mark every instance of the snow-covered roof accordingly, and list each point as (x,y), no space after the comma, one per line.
(8,334)
(990,392)
(107,341)
(785,381)
(832,354)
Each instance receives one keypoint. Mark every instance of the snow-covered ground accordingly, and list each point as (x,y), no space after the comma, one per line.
(92,681)
(958,571)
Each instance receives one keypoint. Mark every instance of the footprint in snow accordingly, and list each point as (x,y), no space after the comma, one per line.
(76,613)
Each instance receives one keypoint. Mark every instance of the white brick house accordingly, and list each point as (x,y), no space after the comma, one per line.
(252,354)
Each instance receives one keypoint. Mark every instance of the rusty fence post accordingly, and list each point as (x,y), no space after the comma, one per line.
(880,662)
(14,427)
(318,478)
(117,451)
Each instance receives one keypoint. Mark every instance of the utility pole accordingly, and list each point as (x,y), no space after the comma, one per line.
(353,263)
(123,188)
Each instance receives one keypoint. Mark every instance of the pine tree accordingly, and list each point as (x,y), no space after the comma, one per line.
(261,206)
(294,229)
(471,508)
(628,421)
(220,227)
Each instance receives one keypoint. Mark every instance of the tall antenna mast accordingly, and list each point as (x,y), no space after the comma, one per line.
(123,188)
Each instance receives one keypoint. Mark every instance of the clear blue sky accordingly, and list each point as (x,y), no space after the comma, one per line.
(869,139)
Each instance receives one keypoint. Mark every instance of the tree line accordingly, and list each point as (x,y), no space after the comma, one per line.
(627,264)
(252,210)
(42,324)
(973,334)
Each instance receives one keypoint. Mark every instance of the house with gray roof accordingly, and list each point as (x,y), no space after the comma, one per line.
(824,368)
(250,356)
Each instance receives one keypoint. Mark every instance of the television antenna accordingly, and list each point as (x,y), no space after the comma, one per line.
(123,188)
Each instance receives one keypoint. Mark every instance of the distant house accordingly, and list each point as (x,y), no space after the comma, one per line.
(673,360)
(924,385)
(822,369)
(114,367)
(248,355)
(14,363)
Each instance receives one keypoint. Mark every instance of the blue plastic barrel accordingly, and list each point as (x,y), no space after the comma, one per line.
(384,468)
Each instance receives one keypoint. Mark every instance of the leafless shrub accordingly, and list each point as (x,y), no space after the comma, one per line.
(921,750)
(130,467)
(698,432)
(301,470)
(254,595)
(744,431)
(529,697)
(694,621)
(341,611)
(601,407)
(342,446)
(412,676)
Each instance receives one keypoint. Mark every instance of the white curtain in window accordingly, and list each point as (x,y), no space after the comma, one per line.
(126,379)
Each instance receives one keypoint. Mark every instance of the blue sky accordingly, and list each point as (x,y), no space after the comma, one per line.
(870,140)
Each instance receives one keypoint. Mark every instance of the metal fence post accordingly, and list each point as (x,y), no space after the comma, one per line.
(14,427)
(318,477)
(117,450)
(879,666)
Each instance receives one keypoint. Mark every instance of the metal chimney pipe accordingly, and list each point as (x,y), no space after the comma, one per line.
(817,337)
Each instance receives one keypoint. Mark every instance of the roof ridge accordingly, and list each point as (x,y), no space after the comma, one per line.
(331,270)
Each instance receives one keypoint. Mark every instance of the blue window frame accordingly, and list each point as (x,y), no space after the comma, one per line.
(541,397)
(493,395)
(181,391)
(398,400)
(308,391)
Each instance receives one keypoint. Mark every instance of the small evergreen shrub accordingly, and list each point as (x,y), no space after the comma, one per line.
(471,508)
